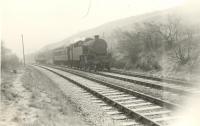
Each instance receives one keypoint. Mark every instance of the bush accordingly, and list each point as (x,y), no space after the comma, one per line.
(145,46)
(148,61)
(8,59)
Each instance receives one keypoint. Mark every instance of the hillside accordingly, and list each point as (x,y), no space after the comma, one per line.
(107,30)
(189,15)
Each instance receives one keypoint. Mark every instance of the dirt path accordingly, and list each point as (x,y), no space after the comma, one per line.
(15,100)
(30,98)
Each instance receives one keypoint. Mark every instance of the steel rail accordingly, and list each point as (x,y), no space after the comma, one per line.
(122,108)
(120,88)
(143,83)
(151,77)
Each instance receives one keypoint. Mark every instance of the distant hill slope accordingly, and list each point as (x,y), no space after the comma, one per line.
(108,29)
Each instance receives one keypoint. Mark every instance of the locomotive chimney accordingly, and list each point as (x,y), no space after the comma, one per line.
(96,37)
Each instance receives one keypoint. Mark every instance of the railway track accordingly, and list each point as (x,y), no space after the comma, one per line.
(143,108)
(185,89)
(174,86)
(151,77)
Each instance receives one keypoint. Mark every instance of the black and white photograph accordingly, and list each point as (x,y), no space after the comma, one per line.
(100,63)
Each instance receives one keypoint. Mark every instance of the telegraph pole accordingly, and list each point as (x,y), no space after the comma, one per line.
(23,48)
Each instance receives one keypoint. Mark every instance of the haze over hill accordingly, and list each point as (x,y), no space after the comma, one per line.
(107,29)
(189,15)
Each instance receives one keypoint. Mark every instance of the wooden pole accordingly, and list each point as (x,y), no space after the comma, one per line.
(23,49)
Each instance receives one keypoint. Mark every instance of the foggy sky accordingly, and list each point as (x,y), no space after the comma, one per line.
(47,21)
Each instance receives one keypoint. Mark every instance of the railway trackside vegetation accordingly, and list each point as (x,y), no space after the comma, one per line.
(161,46)
(8,59)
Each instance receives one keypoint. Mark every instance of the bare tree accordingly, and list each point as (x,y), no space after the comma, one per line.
(141,45)
(148,42)
(179,39)
(185,47)
(171,31)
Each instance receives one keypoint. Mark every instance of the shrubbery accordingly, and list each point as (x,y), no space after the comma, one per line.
(8,59)
(145,46)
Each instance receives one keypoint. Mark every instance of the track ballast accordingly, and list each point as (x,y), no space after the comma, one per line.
(145,109)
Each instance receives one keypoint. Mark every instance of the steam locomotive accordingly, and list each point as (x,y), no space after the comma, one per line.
(88,54)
